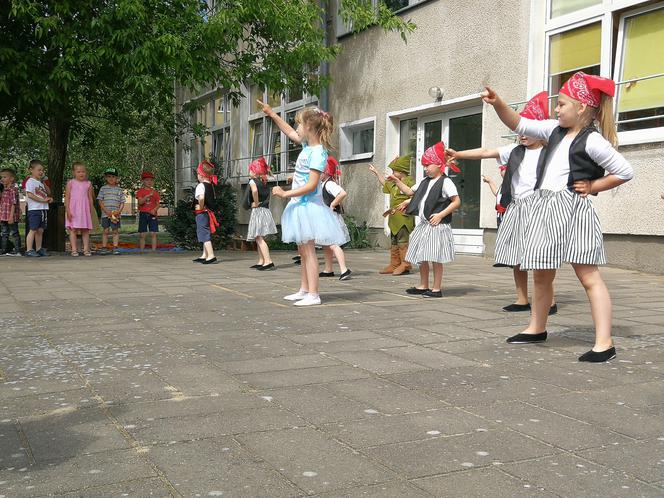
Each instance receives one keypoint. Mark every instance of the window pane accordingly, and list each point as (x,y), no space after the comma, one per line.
(274,99)
(643,55)
(220,108)
(255,93)
(433,133)
(397,4)
(575,49)
(274,147)
(293,148)
(562,7)
(294,95)
(572,51)
(408,141)
(256,138)
(363,141)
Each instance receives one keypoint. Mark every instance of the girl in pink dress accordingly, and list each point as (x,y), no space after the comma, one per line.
(79,201)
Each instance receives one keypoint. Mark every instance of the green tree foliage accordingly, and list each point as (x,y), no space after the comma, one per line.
(63,62)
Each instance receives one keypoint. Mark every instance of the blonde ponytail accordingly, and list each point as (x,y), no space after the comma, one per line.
(320,121)
(607,124)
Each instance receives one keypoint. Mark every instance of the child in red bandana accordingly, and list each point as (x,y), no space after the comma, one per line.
(520,175)
(261,222)
(206,222)
(563,225)
(433,199)
(148,205)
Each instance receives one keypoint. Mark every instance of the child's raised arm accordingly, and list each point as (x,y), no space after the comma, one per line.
(402,186)
(378,174)
(506,114)
(482,153)
(283,125)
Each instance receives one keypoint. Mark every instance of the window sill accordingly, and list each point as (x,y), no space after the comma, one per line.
(638,137)
(356,157)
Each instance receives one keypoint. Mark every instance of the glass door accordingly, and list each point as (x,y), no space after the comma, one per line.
(463,131)
(430,132)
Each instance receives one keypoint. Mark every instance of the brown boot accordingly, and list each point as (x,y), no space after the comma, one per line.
(394,261)
(405,266)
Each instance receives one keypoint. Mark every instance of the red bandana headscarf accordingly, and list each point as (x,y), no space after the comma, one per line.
(537,107)
(332,168)
(201,171)
(588,89)
(260,168)
(436,155)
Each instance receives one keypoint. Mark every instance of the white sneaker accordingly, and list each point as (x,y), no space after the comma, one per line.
(297,296)
(309,301)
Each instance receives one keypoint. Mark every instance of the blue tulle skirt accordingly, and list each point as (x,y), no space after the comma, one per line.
(312,220)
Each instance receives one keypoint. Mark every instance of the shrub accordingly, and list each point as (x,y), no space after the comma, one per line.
(182,225)
(359,234)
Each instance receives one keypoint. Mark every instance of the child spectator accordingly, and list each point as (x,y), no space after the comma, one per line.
(10,213)
(148,204)
(38,198)
(111,202)
(79,203)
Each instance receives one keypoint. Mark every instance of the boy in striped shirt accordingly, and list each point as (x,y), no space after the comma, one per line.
(111,201)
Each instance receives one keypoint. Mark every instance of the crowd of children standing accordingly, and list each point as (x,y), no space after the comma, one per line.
(80,213)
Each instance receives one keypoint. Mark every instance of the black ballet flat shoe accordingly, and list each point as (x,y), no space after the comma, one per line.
(598,356)
(345,275)
(500,265)
(266,267)
(527,338)
(415,291)
(326,274)
(296,258)
(553,310)
(198,260)
(512,308)
(433,293)
(209,261)
(256,266)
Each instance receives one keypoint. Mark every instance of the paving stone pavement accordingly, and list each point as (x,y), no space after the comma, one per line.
(147,375)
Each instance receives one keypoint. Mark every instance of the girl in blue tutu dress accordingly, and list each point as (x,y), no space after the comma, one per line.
(307,221)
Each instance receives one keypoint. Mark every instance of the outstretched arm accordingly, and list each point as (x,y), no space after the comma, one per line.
(402,186)
(491,183)
(338,199)
(506,114)
(481,153)
(278,120)
(378,174)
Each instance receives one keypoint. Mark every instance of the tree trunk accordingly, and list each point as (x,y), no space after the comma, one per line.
(58,134)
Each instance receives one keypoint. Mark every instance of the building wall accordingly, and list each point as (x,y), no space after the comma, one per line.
(453,48)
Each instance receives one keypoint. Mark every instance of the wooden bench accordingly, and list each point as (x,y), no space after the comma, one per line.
(240,244)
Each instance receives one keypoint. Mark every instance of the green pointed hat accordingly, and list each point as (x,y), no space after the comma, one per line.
(401,164)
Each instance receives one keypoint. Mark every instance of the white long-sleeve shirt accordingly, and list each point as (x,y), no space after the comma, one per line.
(556,172)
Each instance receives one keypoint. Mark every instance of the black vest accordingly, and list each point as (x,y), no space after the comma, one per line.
(328,198)
(210,198)
(581,166)
(513,163)
(263,195)
(435,201)
(210,201)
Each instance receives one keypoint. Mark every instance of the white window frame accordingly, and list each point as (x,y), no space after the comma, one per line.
(346,131)
(542,31)
(644,135)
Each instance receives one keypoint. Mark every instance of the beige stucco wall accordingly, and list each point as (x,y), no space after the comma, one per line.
(456,48)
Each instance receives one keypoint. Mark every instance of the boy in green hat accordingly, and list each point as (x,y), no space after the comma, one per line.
(400,224)
(111,199)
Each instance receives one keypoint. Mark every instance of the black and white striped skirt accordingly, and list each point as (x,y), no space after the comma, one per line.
(511,233)
(261,223)
(431,243)
(562,227)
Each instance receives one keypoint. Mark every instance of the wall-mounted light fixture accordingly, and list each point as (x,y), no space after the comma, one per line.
(435,92)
